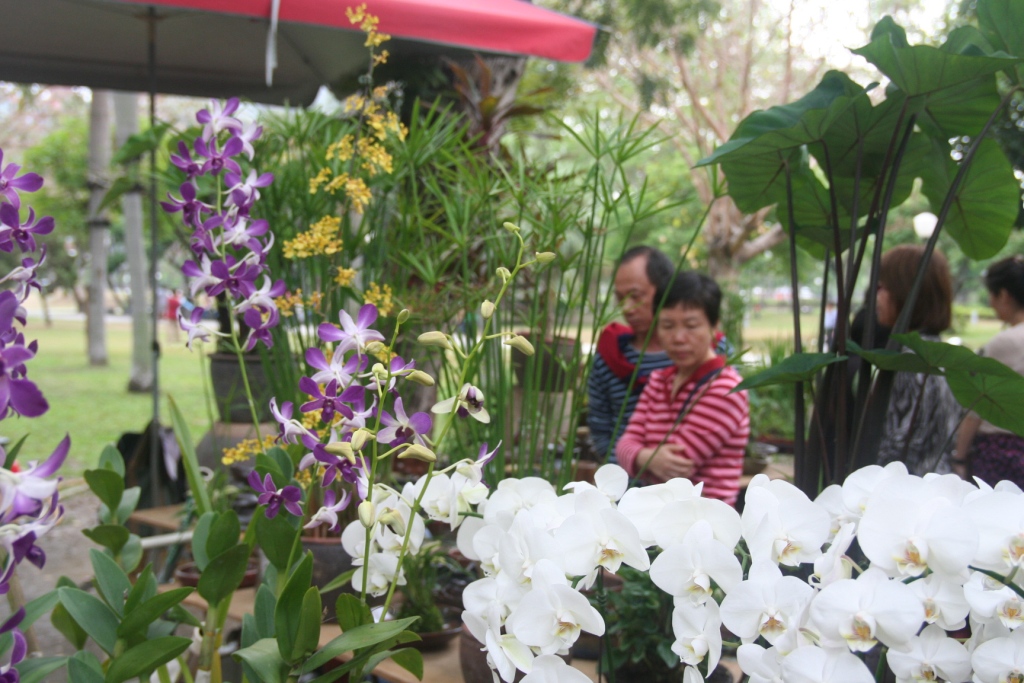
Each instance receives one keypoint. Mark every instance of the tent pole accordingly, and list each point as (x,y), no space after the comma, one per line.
(154,436)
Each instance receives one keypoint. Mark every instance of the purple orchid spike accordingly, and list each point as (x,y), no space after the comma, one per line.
(290,430)
(354,334)
(195,328)
(239,230)
(25,275)
(10,185)
(248,133)
(19,395)
(26,492)
(335,466)
(8,674)
(244,193)
(260,326)
(218,159)
(274,498)
(402,428)
(13,231)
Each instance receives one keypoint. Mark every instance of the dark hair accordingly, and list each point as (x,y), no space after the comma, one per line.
(1007,274)
(659,266)
(933,310)
(692,290)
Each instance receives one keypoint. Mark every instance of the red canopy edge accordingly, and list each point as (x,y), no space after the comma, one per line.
(506,26)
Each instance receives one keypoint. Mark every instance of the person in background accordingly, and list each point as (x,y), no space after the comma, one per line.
(621,348)
(923,414)
(688,421)
(173,304)
(986,451)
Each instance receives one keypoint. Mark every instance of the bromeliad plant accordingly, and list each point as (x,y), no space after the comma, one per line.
(837,162)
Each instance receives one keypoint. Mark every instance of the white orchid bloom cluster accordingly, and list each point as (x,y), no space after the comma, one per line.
(939,554)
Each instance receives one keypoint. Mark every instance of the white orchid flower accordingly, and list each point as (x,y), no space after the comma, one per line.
(815,665)
(992,600)
(943,600)
(551,615)
(761,665)
(523,546)
(698,633)
(552,669)
(686,570)
(611,480)
(999,518)
(860,612)
(929,657)
(834,565)
(781,524)
(598,536)
(353,541)
(482,599)
(513,495)
(679,516)
(464,539)
(1000,660)
(644,506)
(907,529)
(766,604)
(381,569)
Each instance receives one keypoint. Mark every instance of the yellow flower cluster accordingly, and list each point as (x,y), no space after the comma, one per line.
(246,449)
(341,150)
(345,276)
(319,179)
(286,304)
(376,159)
(367,24)
(379,296)
(355,189)
(321,238)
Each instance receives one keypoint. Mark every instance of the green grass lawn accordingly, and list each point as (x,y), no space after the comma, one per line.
(92,404)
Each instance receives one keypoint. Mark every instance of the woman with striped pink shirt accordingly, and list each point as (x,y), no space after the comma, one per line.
(688,423)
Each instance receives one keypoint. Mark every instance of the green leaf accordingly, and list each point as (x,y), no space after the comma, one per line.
(221,577)
(288,612)
(141,143)
(180,615)
(284,462)
(923,69)
(999,21)
(267,465)
(68,627)
(36,669)
(145,588)
(189,460)
(38,607)
(800,367)
(12,452)
(83,670)
(357,638)
(107,485)
(263,612)
(986,203)
(352,612)
(264,659)
(139,619)
(112,582)
(308,636)
(92,615)
(200,539)
(145,657)
(131,554)
(129,501)
(990,389)
(111,459)
(338,581)
(409,659)
(883,359)
(276,537)
(110,536)
(224,533)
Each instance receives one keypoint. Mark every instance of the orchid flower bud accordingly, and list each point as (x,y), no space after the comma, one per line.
(487,309)
(342,449)
(521,344)
(505,273)
(379,372)
(359,437)
(421,377)
(435,338)
(375,347)
(403,315)
(511,227)
(392,518)
(367,513)
(418,452)
(545,257)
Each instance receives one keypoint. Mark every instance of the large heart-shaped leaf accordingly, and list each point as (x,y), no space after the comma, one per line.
(800,367)
(999,21)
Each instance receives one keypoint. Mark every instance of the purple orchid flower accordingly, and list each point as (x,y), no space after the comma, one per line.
(13,231)
(218,117)
(248,133)
(402,428)
(25,275)
(274,498)
(183,160)
(328,401)
(19,395)
(244,193)
(260,326)
(8,674)
(231,275)
(239,231)
(23,493)
(261,298)
(335,466)
(328,512)
(195,328)
(339,368)
(219,159)
(190,207)
(290,430)
(354,334)
(11,185)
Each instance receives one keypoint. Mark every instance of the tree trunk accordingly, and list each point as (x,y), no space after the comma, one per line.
(126,124)
(99,224)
